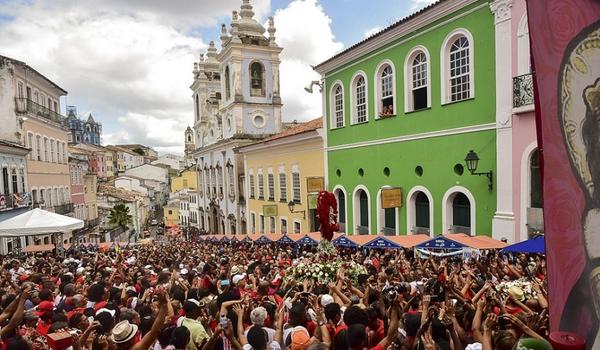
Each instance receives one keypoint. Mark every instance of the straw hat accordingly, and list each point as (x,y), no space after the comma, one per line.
(123,332)
(516,293)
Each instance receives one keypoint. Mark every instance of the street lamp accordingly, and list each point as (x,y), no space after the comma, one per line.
(472,161)
(309,88)
(291,206)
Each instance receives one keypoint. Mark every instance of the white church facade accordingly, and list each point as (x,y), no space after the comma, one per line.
(237,101)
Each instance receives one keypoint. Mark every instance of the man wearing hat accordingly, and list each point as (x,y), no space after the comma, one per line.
(192,309)
(123,334)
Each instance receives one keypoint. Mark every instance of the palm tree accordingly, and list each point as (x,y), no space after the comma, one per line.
(119,217)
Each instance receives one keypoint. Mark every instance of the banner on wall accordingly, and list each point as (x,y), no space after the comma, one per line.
(565,48)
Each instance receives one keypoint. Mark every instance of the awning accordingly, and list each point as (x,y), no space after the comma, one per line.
(361,240)
(441,242)
(476,242)
(38,222)
(344,241)
(307,240)
(409,241)
(533,245)
(34,248)
(263,240)
(381,242)
(285,239)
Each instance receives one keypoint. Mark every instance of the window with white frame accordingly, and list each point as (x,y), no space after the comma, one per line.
(231,179)
(359,99)
(282,186)
(52,159)
(46,146)
(418,81)
(38,143)
(220,179)
(271,183)
(386,90)
(261,186)
(297,227)
(337,114)
(457,66)
(296,185)
(31,146)
(251,180)
(272,224)
(261,223)
(20,89)
(283,226)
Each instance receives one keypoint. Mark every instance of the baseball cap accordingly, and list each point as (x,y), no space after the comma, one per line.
(44,307)
(238,278)
(300,338)
(326,300)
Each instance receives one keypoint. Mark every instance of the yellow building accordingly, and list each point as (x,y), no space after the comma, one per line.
(171,213)
(187,179)
(278,171)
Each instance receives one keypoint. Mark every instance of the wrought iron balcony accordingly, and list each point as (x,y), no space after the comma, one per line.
(14,200)
(24,105)
(63,208)
(522,90)
(92,222)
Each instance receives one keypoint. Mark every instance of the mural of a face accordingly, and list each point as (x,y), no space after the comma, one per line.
(579,113)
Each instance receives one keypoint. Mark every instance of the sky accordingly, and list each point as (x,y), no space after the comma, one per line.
(129,62)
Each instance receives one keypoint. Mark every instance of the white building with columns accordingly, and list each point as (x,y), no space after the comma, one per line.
(236,102)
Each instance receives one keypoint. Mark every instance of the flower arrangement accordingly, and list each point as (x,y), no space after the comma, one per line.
(523,283)
(326,249)
(324,272)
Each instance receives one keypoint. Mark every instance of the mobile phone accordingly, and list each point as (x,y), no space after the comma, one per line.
(223,321)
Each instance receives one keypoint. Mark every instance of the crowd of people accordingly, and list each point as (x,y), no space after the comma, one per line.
(187,295)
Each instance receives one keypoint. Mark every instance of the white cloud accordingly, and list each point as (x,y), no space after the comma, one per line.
(372,31)
(130,62)
(304,32)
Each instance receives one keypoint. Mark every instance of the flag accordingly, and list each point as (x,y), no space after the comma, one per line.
(565,48)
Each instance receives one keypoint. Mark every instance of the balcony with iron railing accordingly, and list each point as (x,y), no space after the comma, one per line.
(92,222)
(24,105)
(14,200)
(63,208)
(522,90)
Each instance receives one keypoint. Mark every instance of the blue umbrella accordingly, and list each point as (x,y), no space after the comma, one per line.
(440,242)
(533,245)
(381,243)
(344,241)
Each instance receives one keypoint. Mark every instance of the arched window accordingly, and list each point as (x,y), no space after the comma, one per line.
(197,107)
(536,195)
(457,64)
(257,79)
(422,222)
(341,202)
(364,209)
(361,211)
(337,106)
(227,84)
(417,73)
(386,91)
(461,213)
(359,99)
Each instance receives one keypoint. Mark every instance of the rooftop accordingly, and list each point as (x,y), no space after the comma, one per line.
(119,193)
(26,66)
(298,129)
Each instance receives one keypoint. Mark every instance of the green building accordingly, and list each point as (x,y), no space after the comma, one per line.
(402,110)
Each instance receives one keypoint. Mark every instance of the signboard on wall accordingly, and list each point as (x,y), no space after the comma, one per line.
(391,198)
(315,184)
(269,210)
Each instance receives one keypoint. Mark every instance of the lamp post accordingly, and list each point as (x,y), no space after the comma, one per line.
(472,160)
(291,206)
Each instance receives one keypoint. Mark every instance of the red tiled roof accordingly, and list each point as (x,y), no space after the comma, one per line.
(298,129)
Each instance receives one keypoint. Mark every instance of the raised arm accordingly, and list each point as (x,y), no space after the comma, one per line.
(151,336)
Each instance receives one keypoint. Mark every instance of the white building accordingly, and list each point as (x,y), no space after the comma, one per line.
(149,172)
(131,183)
(138,204)
(171,160)
(236,102)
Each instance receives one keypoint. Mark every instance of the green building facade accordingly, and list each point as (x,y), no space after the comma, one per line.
(402,110)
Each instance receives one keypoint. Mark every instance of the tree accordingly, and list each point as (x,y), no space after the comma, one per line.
(119,217)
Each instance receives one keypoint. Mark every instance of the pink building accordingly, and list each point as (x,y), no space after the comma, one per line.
(519,200)
(76,173)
